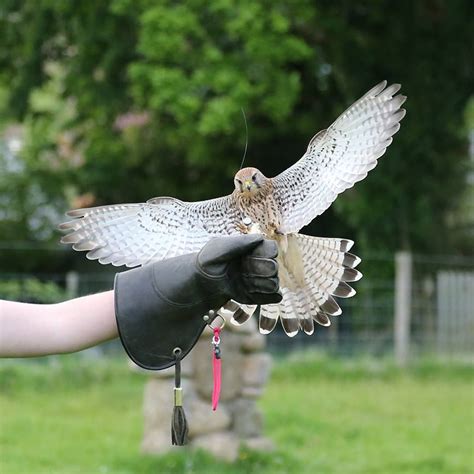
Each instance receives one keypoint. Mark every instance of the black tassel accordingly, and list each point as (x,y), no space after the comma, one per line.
(179,425)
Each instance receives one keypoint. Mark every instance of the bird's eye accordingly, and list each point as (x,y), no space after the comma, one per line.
(254,177)
(238,180)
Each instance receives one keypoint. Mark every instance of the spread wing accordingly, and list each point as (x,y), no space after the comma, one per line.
(136,234)
(338,157)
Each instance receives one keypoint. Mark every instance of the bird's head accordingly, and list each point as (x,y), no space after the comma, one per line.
(249,181)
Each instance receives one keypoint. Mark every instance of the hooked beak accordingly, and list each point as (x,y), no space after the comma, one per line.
(248,185)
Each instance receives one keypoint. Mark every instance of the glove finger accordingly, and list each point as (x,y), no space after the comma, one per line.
(261,285)
(224,249)
(259,298)
(266,298)
(259,267)
(266,249)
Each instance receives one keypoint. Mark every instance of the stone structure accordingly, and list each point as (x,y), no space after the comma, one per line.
(237,420)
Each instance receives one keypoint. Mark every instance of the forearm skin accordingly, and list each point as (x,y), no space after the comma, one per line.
(31,330)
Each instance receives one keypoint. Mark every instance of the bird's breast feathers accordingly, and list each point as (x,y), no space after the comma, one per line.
(262,211)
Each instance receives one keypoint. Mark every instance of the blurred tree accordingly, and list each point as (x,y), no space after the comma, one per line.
(123,100)
(425,45)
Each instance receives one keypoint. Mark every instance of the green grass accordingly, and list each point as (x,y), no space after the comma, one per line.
(72,416)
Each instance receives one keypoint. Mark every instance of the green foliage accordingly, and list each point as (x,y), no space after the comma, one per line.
(37,185)
(422,45)
(324,415)
(131,99)
(31,290)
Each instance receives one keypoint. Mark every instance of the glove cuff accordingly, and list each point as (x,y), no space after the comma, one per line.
(150,326)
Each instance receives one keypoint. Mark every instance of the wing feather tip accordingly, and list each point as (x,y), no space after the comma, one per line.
(240,317)
(77,212)
(69,239)
(343,290)
(307,326)
(85,245)
(69,225)
(266,325)
(346,245)
(378,88)
(400,114)
(402,99)
(350,260)
(322,319)
(351,274)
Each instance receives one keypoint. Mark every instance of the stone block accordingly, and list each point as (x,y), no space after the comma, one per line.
(255,369)
(157,403)
(253,342)
(246,418)
(259,443)
(202,419)
(252,392)
(223,445)
(157,441)
(231,366)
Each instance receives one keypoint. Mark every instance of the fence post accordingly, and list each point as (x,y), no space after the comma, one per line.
(403,284)
(72,284)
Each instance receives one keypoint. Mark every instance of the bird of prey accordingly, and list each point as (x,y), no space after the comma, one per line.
(312,270)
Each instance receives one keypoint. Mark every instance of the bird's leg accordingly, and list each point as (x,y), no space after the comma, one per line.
(275,232)
(280,237)
(241,227)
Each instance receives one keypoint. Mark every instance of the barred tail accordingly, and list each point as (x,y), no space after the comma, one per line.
(312,271)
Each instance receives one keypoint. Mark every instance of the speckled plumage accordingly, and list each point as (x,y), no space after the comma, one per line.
(312,270)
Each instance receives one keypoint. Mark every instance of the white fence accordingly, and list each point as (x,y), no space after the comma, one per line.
(455,311)
(434,306)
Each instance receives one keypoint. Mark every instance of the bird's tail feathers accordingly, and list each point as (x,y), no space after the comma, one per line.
(312,272)
(328,266)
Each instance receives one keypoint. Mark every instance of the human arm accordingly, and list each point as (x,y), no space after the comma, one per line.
(30,330)
(167,296)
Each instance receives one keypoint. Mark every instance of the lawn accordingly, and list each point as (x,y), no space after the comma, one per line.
(69,416)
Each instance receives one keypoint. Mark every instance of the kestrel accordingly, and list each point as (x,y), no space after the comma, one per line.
(312,270)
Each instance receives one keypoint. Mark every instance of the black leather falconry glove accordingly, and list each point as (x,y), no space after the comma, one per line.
(160,307)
